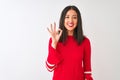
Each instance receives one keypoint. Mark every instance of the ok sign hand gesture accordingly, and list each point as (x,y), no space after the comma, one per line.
(55,35)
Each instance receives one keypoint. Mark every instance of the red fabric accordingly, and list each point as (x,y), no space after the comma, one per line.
(71,59)
(88,77)
(50,68)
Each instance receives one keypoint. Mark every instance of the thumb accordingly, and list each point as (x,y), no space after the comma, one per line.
(60,32)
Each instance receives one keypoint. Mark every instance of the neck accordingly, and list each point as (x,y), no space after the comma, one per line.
(70,33)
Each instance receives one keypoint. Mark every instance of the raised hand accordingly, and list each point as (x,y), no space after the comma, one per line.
(55,35)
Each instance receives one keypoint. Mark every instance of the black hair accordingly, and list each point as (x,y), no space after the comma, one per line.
(78,31)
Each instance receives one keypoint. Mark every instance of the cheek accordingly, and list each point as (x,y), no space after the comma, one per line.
(65,22)
(76,23)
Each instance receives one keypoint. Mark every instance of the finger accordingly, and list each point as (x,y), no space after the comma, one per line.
(48,30)
(54,27)
(51,27)
(60,32)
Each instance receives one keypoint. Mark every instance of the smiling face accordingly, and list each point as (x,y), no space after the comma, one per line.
(70,21)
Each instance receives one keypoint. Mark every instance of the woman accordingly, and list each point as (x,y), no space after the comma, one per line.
(69,52)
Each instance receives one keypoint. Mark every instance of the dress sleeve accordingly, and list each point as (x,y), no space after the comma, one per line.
(53,57)
(87,60)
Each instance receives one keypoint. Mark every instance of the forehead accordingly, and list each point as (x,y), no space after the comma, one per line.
(71,12)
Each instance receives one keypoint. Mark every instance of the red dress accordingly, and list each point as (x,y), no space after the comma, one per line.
(70,61)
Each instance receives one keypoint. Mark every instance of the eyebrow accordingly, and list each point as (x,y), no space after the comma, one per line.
(72,15)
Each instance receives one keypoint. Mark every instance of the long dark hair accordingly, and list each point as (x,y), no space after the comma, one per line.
(78,31)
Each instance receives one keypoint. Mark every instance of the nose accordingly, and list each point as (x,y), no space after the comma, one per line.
(70,19)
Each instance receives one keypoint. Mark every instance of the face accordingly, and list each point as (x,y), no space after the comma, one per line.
(70,21)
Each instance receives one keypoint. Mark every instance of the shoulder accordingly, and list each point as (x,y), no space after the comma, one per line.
(86,40)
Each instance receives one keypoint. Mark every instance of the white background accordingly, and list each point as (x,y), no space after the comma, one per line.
(24,37)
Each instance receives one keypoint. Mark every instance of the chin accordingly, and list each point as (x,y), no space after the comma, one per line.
(71,28)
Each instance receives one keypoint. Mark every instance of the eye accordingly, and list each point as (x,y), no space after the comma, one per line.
(75,17)
(67,17)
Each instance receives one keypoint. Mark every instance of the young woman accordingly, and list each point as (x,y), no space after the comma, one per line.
(69,51)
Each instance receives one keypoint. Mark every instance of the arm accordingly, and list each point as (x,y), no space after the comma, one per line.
(87,60)
(53,57)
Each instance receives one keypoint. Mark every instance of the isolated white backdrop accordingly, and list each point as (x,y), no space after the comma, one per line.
(24,37)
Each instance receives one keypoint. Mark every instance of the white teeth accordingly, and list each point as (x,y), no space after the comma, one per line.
(70,25)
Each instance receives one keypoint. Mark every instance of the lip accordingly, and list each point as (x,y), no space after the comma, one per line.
(70,24)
